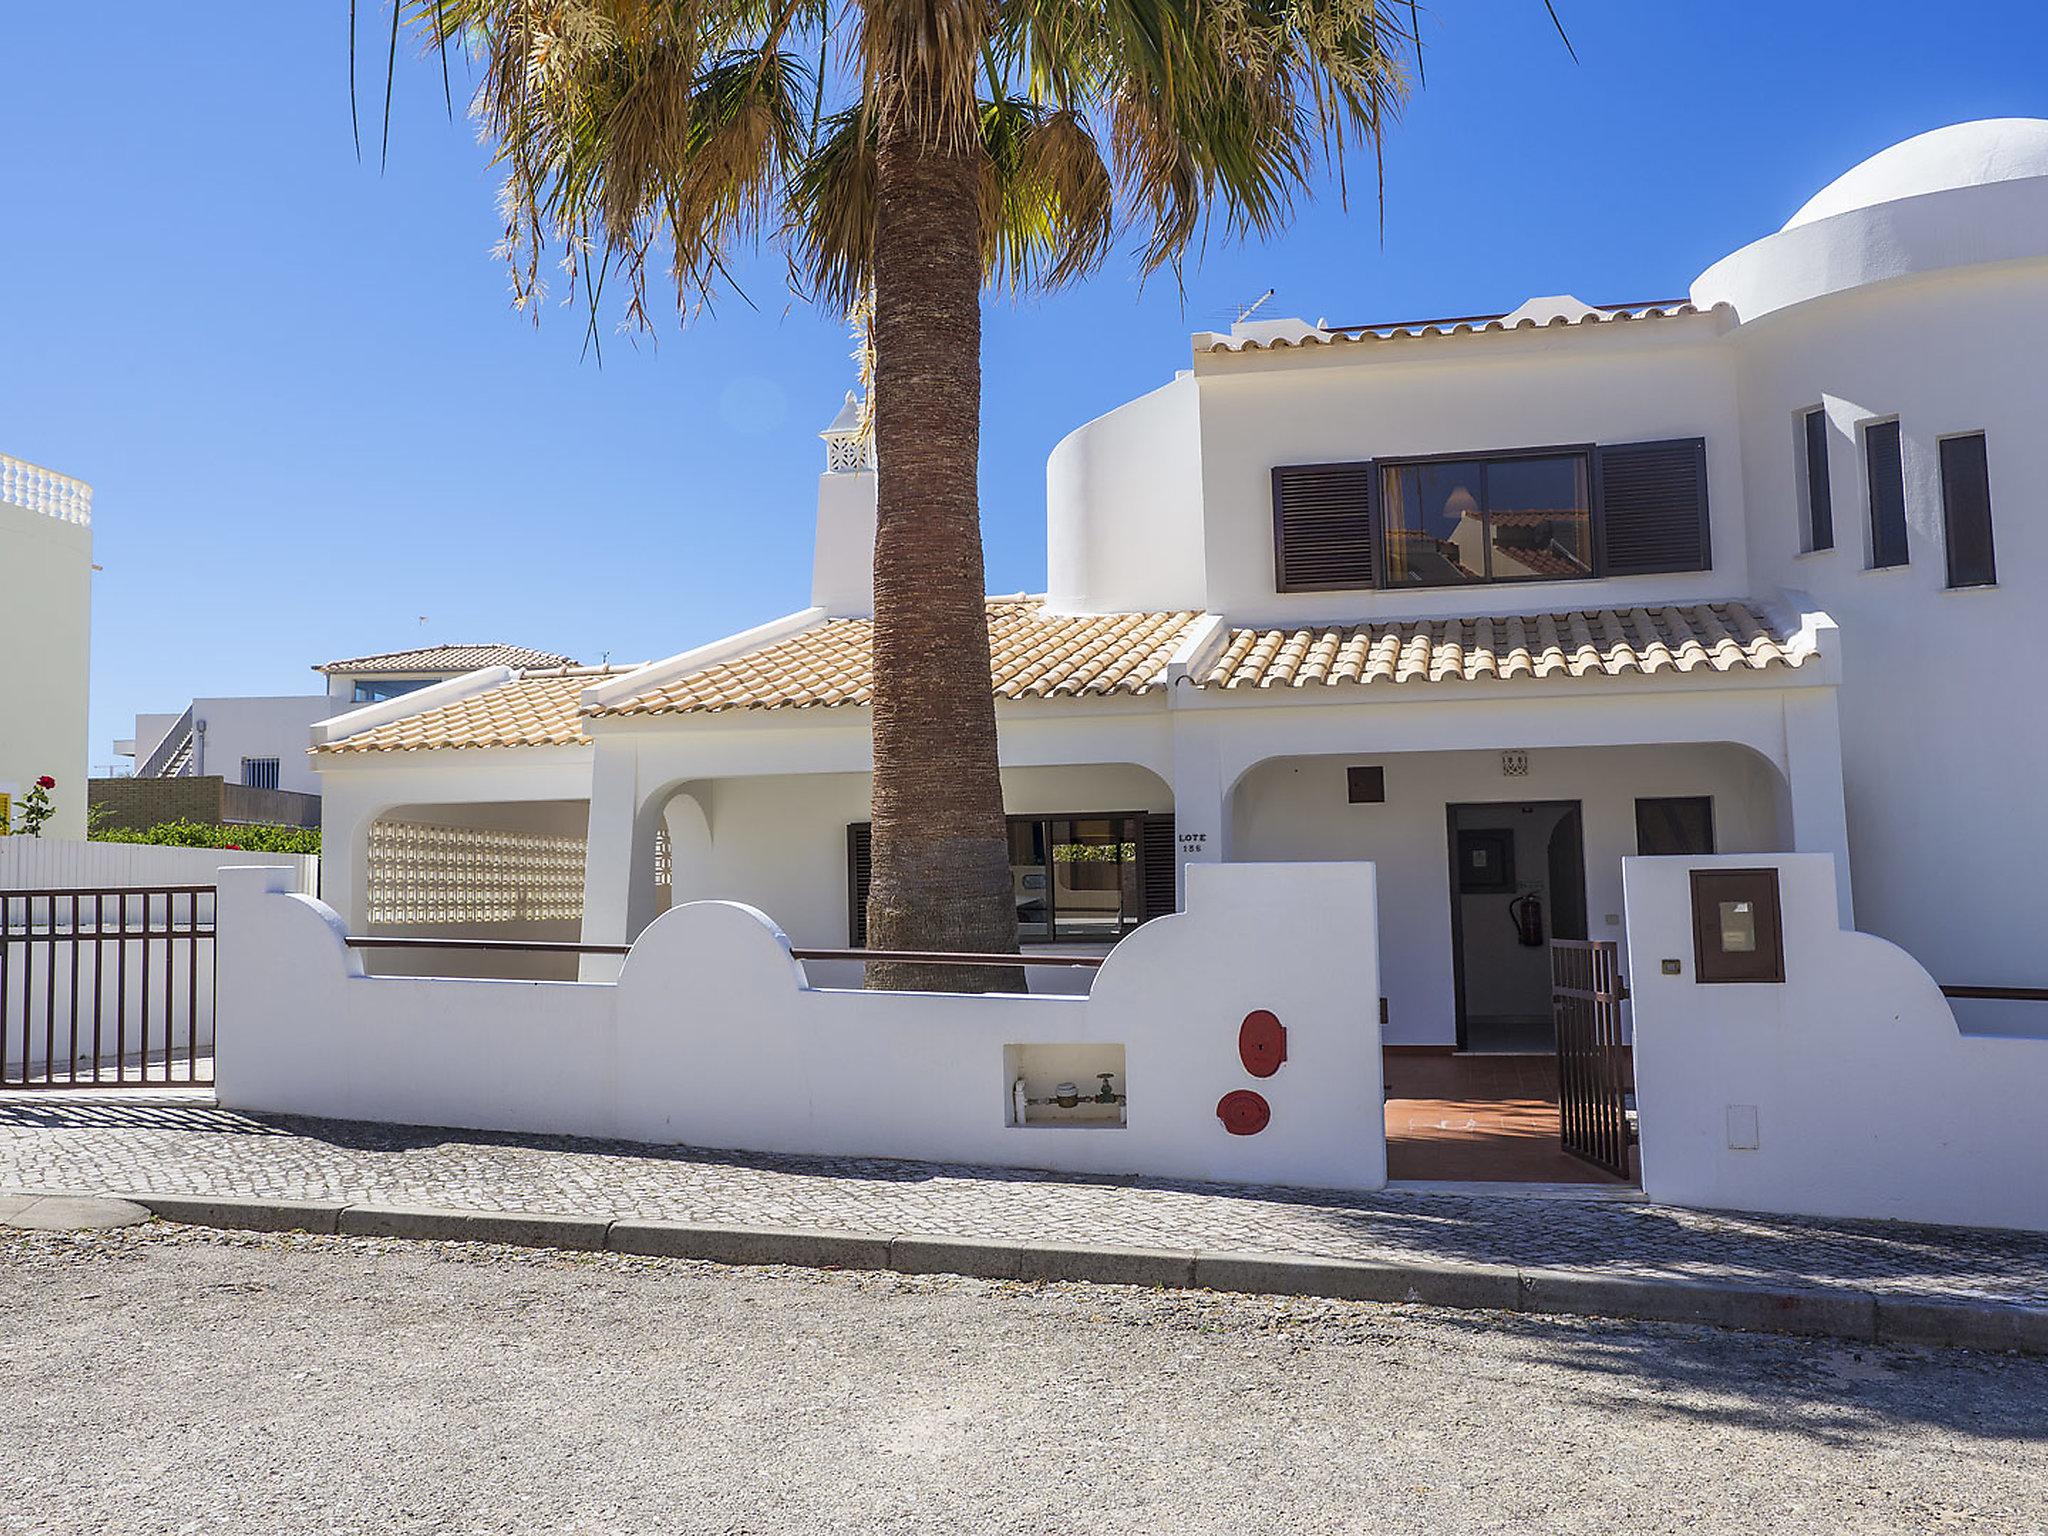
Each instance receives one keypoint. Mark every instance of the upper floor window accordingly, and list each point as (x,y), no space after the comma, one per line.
(1966,510)
(1886,472)
(374,690)
(1554,514)
(1820,501)
(1451,521)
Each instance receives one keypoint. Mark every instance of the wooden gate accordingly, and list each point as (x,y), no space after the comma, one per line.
(107,988)
(1586,994)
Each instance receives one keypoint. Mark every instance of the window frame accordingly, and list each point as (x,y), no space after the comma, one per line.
(1587,453)
(1713,830)
(1948,529)
(1810,540)
(1870,526)
(1134,822)
(276,766)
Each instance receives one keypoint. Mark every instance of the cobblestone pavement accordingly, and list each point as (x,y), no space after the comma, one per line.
(171,1146)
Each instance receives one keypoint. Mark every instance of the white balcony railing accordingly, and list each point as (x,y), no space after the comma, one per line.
(43,490)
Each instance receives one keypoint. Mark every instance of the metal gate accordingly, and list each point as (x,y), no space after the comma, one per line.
(107,988)
(1586,994)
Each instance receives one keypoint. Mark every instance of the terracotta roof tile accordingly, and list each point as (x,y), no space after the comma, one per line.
(1721,637)
(447,658)
(541,710)
(1034,654)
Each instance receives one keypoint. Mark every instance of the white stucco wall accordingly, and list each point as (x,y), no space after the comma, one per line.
(1943,732)
(45,651)
(1864,1097)
(256,727)
(1296,808)
(1618,383)
(1123,508)
(778,842)
(714,1036)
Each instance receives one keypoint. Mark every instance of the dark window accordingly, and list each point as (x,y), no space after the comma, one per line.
(1966,510)
(1366,785)
(1453,521)
(1737,930)
(1323,536)
(1887,474)
(1653,508)
(1558,514)
(1820,503)
(259,772)
(1675,824)
(374,690)
(1075,878)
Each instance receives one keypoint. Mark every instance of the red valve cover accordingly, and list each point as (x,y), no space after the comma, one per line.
(1261,1043)
(1243,1112)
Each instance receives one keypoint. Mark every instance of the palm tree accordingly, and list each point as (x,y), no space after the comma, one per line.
(905,153)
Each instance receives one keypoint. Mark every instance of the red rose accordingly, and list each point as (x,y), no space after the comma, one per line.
(46,782)
(234,847)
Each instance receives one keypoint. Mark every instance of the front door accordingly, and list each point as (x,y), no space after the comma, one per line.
(1518,879)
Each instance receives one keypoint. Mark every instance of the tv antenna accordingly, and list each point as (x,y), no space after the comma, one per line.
(1253,308)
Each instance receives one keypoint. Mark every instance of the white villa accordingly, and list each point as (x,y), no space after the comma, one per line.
(1489,601)
(258,742)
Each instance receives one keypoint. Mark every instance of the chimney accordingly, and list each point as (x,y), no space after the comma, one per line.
(843,559)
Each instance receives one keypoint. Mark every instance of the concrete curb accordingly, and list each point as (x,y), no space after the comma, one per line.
(1858,1316)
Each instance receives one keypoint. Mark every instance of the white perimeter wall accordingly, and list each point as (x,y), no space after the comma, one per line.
(45,648)
(1944,729)
(712,1036)
(1296,808)
(1866,1097)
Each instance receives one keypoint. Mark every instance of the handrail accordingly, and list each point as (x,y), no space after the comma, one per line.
(160,755)
(2000,994)
(862,956)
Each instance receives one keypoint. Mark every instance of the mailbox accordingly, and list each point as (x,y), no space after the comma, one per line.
(1737,928)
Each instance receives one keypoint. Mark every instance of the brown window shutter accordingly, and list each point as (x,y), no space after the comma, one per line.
(1653,507)
(1155,865)
(859,843)
(1324,530)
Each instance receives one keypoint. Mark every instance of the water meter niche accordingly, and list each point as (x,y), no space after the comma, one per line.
(1065,1085)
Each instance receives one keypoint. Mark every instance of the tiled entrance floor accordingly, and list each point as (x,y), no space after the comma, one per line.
(1472,1117)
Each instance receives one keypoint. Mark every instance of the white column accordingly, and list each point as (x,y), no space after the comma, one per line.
(1813,773)
(1201,813)
(618,863)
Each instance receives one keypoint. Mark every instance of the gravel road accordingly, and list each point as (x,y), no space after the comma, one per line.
(170,1380)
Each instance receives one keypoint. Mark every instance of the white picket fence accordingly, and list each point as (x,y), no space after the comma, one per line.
(45,863)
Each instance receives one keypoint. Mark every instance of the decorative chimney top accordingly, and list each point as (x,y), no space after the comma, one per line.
(849,446)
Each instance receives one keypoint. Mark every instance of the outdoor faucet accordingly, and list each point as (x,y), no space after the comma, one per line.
(1105,1094)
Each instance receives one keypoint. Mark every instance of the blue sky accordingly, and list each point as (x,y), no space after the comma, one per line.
(312,419)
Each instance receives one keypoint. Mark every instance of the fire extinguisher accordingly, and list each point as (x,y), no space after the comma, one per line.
(1527,912)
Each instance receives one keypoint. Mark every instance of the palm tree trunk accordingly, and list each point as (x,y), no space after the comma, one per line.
(941,868)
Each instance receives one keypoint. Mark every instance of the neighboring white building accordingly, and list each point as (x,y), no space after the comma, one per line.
(45,638)
(261,742)
(1490,602)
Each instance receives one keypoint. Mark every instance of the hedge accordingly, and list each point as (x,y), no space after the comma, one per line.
(200,834)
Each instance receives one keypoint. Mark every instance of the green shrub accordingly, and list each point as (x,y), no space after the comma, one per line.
(200,834)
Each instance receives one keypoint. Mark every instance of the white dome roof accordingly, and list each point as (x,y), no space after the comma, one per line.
(1963,155)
